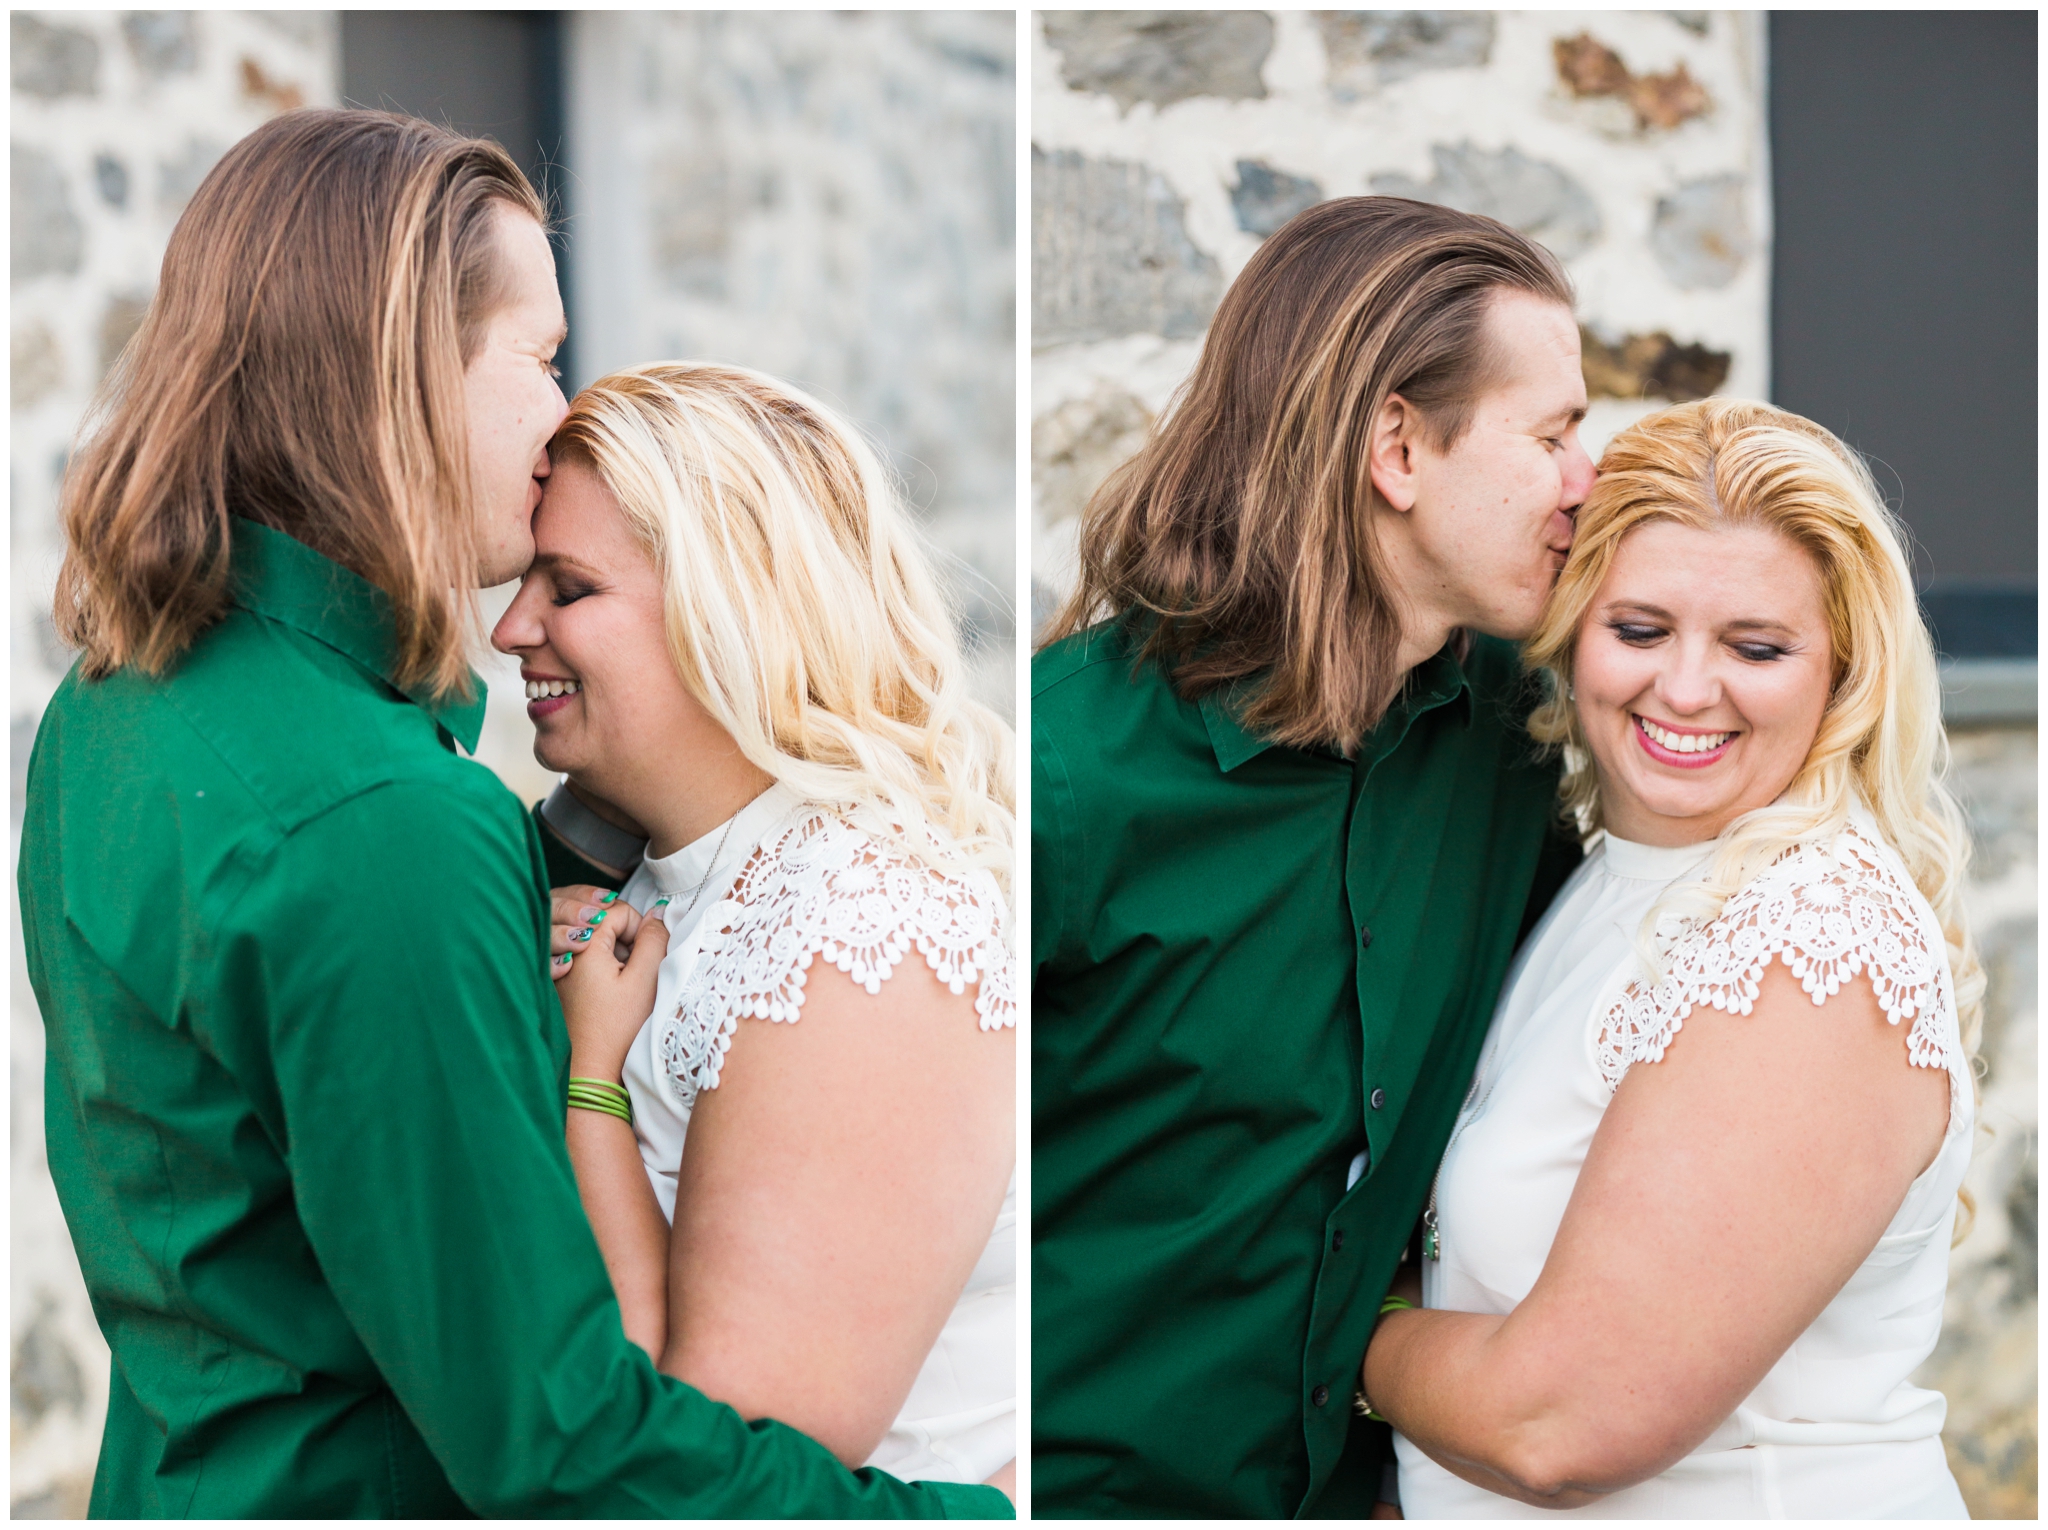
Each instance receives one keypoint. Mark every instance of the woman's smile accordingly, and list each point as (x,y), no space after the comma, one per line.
(1686,748)
(549,694)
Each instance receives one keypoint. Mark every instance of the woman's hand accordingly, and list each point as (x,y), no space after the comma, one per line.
(576,913)
(606,999)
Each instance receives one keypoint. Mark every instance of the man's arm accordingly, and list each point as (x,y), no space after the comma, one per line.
(418,1059)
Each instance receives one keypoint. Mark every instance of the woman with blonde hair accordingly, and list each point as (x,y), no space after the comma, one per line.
(1690,1237)
(732,639)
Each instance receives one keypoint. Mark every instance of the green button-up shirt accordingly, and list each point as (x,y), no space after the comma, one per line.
(1250,964)
(306,1079)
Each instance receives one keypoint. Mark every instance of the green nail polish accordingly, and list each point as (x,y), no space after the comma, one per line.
(659,903)
(597,918)
(583,934)
(563,960)
(609,898)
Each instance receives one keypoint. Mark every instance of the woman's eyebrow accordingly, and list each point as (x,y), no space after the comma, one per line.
(550,563)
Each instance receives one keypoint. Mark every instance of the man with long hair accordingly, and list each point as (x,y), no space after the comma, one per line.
(1287,826)
(306,1066)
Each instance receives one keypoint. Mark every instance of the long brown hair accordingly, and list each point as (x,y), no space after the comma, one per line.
(302,365)
(1241,534)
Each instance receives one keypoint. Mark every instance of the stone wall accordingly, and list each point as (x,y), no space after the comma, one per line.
(1166,145)
(115,120)
(830,198)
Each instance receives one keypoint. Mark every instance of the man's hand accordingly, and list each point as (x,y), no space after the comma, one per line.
(607,998)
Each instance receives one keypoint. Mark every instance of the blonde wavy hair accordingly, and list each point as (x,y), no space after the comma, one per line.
(801,609)
(1729,462)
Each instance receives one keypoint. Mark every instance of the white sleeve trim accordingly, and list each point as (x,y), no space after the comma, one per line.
(820,886)
(1830,912)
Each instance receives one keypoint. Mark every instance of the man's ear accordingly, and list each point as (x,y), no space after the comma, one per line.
(1392,452)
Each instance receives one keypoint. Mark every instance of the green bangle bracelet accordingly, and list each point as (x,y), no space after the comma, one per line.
(604,1098)
(1396,1304)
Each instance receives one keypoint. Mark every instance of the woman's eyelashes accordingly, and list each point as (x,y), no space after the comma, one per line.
(1642,634)
(569,594)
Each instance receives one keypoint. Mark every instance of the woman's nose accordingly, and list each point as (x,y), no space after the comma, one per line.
(520,626)
(1688,683)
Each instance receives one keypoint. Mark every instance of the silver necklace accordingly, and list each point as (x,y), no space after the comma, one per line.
(706,882)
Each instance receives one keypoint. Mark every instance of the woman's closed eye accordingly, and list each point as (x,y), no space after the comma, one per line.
(569,592)
(1636,634)
(1759,653)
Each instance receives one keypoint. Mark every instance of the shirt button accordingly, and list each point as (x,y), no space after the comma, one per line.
(1364,938)
(1337,1241)
(1379,1098)
(1319,1396)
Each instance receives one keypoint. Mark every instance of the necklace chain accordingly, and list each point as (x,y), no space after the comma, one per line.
(713,866)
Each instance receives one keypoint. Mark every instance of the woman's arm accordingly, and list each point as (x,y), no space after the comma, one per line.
(1731,1190)
(839,1186)
(605,1001)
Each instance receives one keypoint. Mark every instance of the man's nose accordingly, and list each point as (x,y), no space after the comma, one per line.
(1578,477)
(541,466)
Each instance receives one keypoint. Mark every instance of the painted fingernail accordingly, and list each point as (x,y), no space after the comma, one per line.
(597,918)
(582,934)
(609,898)
(564,959)
(659,903)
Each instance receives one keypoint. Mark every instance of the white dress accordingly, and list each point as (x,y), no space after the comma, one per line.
(824,887)
(1835,1429)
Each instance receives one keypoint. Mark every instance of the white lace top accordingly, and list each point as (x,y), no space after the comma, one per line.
(793,882)
(1836,1428)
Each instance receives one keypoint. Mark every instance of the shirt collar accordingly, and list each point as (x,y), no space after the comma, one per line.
(285,580)
(1437,681)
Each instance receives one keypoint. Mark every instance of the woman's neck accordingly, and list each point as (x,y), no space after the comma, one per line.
(695,801)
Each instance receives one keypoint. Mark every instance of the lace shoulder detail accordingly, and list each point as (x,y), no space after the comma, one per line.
(820,886)
(1830,912)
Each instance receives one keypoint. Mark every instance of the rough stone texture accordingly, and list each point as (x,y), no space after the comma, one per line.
(43,233)
(1370,49)
(1467,108)
(179,176)
(1987,1361)
(1701,236)
(1588,67)
(118,323)
(35,365)
(1265,198)
(1650,366)
(1074,446)
(830,198)
(111,176)
(1161,56)
(1541,200)
(1111,255)
(50,61)
(163,42)
(101,103)
(43,1374)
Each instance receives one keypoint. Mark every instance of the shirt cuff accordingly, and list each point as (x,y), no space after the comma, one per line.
(962,1500)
